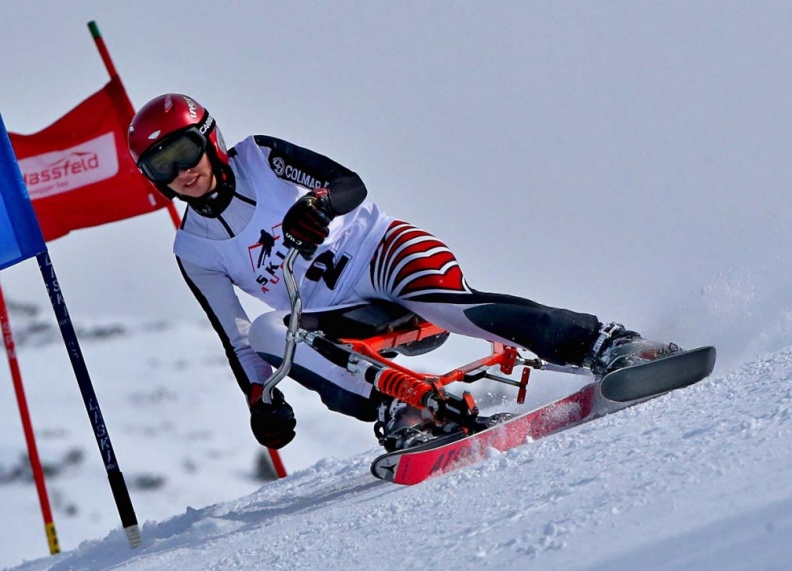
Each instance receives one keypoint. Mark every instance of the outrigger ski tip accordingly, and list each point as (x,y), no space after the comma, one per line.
(660,376)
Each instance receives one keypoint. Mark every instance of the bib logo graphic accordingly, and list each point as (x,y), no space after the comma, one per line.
(263,261)
(63,171)
(268,254)
(264,247)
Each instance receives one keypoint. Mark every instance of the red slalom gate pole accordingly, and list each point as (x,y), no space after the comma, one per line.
(30,439)
(277,463)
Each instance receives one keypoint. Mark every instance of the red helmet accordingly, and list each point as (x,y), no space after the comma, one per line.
(168,116)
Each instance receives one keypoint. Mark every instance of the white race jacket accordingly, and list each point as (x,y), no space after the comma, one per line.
(243,246)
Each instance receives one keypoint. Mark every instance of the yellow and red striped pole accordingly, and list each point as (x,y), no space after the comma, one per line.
(27,426)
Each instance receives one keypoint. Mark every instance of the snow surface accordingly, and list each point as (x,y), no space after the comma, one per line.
(697,479)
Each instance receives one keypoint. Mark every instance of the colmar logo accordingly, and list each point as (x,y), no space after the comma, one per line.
(280,168)
(62,171)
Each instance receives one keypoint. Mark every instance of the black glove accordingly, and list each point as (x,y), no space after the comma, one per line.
(273,424)
(305,225)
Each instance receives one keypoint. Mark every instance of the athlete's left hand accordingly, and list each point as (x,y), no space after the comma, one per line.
(305,225)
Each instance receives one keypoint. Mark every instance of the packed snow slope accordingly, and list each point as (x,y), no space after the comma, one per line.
(696,479)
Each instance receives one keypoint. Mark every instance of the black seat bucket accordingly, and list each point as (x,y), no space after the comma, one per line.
(371,320)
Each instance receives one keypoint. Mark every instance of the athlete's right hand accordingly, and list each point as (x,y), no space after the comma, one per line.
(273,423)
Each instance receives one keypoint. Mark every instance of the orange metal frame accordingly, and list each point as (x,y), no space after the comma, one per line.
(411,386)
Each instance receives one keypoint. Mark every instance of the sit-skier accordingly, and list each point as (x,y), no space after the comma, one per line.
(246,206)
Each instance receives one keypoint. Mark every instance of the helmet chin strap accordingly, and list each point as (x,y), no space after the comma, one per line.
(213,204)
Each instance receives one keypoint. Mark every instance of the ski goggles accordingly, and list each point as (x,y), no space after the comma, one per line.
(181,151)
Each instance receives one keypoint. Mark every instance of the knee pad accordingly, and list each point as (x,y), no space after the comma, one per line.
(268,333)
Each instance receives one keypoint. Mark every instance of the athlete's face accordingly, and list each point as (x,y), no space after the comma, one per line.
(196,181)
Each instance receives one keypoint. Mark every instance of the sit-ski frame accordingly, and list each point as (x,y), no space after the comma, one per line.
(362,357)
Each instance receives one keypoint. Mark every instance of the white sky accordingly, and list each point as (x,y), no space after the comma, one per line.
(629,159)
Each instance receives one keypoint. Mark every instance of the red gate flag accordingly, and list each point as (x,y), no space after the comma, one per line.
(78,172)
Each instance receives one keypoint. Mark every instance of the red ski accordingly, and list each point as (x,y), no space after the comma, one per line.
(414,465)
(623,388)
